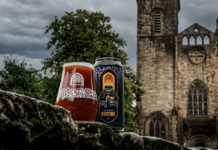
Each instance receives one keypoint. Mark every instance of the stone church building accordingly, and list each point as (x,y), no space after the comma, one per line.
(179,73)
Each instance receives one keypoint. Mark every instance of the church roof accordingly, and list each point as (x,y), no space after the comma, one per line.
(196,29)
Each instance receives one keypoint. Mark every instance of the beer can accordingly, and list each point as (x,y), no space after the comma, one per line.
(108,74)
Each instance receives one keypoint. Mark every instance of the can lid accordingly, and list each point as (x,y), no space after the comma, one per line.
(78,64)
(108,58)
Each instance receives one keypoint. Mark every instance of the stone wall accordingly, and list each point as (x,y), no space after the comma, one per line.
(158,80)
(27,123)
(207,73)
(156,63)
(167,72)
(169,17)
(187,72)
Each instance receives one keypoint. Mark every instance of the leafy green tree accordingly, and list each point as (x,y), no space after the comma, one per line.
(84,36)
(17,77)
(132,93)
(49,88)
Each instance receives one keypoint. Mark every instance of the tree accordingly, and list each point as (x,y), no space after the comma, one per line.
(84,36)
(17,77)
(132,93)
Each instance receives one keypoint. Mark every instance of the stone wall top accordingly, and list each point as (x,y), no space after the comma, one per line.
(27,123)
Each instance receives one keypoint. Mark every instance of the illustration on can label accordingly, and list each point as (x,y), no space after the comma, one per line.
(108,100)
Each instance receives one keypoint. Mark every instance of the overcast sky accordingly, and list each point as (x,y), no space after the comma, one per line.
(22,23)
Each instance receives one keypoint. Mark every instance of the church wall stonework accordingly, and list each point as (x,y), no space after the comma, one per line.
(187,72)
(206,72)
(168,67)
(159,77)
(156,61)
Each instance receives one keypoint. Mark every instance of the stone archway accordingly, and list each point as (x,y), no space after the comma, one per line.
(200,144)
(200,141)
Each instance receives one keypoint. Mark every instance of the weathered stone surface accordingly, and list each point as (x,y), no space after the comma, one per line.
(96,136)
(27,123)
(158,143)
(131,141)
(170,65)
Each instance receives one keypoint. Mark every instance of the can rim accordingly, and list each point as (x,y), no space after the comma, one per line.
(108,58)
(78,64)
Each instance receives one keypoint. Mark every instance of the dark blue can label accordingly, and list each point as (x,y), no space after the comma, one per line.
(109,87)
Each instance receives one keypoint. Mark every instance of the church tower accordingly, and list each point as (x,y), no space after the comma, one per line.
(157,31)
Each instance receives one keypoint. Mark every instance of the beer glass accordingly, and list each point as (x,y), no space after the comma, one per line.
(77,91)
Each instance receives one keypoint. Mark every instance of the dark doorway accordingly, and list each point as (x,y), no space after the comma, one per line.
(200,144)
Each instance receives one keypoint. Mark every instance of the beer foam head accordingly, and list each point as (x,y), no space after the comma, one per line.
(85,64)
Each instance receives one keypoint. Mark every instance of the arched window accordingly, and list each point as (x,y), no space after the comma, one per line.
(199,40)
(197,99)
(185,41)
(157,125)
(195,102)
(190,104)
(206,40)
(151,129)
(200,102)
(192,40)
(157,129)
(205,104)
(163,134)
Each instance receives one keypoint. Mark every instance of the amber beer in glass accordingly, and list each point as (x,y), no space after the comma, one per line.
(77,91)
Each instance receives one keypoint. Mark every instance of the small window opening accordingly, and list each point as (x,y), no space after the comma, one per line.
(205,104)
(190,104)
(192,40)
(196,30)
(157,22)
(199,40)
(163,130)
(157,129)
(151,129)
(185,41)
(206,40)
